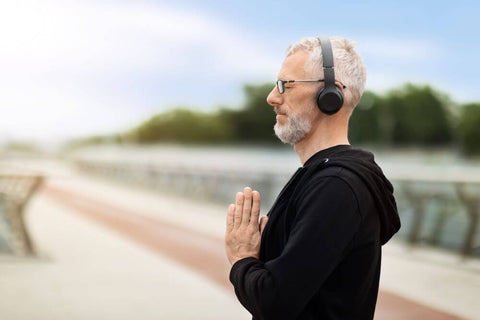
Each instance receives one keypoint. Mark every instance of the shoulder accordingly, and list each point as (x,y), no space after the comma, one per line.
(331,184)
(336,175)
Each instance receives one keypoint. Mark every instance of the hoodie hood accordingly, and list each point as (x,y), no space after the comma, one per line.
(362,163)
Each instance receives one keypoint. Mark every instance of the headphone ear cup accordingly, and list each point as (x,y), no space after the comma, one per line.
(330,100)
(319,99)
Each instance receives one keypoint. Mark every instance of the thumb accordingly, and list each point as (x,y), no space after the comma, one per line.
(263,222)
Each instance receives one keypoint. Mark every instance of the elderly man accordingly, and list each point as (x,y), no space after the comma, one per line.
(317,253)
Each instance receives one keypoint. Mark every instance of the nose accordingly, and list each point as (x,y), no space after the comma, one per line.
(274,98)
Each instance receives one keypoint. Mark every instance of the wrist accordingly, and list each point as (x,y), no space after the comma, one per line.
(235,259)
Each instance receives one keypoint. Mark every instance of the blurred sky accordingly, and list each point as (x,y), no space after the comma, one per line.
(74,68)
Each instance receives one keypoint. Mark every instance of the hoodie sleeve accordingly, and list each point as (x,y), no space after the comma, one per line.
(327,219)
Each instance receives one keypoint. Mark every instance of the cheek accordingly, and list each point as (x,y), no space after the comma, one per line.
(286,107)
(310,101)
(300,100)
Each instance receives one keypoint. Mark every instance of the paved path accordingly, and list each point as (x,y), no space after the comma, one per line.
(89,271)
(103,266)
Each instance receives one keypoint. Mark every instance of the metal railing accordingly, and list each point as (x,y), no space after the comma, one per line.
(15,192)
(442,212)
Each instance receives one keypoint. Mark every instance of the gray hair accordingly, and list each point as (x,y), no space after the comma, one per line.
(349,66)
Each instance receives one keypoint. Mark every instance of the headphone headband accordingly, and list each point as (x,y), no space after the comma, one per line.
(330,98)
(326,52)
(327,57)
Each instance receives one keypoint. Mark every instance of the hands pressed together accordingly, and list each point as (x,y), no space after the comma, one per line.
(244,230)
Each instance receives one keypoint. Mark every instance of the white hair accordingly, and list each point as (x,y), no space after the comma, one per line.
(296,128)
(349,67)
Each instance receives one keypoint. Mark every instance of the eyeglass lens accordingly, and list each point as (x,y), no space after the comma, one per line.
(280,86)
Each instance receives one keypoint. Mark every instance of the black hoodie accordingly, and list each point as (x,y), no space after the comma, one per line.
(320,253)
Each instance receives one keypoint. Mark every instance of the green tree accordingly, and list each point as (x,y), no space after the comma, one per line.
(364,123)
(254,122)
(419,116)
(181,125)
(409,115)
(469,129)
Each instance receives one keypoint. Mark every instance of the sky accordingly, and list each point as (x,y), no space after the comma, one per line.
(77,68)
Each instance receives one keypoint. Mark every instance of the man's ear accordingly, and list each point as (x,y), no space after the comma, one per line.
(340,86)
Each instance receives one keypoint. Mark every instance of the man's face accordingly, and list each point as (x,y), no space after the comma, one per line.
(296,108)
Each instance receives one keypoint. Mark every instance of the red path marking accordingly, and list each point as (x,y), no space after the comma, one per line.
(205,253)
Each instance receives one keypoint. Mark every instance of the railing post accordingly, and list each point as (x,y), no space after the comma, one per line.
(418,203)
(16,192)
(472,204)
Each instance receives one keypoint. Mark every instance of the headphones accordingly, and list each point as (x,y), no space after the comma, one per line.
(330,97)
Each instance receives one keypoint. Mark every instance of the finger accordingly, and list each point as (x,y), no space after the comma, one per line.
(238,210)
(263,223)
(255,207)
(247,205)
(230,218)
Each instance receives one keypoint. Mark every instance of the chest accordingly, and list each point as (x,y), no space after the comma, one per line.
(280,220)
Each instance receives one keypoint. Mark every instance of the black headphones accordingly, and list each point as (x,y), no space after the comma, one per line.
(330,97)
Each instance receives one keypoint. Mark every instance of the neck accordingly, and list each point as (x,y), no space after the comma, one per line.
(327,132)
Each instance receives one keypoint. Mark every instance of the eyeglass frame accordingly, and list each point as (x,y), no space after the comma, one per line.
(281,89)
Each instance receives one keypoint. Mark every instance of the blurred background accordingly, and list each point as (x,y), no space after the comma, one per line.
(127,127)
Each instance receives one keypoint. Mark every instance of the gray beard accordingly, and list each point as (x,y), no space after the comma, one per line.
(296,128)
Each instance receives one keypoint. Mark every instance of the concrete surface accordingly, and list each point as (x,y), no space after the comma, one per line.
(90,268)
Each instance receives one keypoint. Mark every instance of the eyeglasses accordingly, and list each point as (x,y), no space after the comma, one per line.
(281,83)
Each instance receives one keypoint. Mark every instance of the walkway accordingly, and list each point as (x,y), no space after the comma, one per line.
(110,251)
